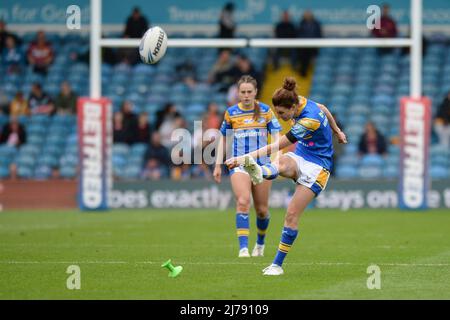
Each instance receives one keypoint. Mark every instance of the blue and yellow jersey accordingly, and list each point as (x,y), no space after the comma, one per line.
(249,134)
(311,130)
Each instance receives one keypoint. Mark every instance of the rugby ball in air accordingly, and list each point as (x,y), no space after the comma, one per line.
(153,45)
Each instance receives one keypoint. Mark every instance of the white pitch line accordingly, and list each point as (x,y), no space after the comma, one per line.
(393,264)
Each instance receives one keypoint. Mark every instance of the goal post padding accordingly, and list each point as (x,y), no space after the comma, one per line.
(95,153)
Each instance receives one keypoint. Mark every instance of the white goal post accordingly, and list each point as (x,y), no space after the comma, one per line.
(414,43)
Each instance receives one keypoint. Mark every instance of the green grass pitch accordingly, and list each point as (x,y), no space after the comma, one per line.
(120,255)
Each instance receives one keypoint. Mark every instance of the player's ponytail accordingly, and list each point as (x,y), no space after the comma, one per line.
(257,112)
(250,79)
(289,84)
(287,95)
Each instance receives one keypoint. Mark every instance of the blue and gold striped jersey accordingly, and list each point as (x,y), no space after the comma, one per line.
(313,133)
(249,134)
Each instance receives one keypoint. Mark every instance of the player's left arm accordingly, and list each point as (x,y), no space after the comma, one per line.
(337,131)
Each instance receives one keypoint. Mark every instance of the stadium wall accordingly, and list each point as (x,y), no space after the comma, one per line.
(340,194)
(339,17)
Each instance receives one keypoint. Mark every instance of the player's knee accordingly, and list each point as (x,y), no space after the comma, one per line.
(291,219)
(262,211)
(284,165)
(243,203)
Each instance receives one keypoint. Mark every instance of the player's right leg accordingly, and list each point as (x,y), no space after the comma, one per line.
(300,200)
(241,185)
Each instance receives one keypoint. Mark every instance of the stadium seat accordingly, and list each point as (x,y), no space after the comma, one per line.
(370,172)
(24,172)
(439,172)
(4,171)
(43,172)
(349,159)
(68,172)
(372,160)
(132,172)
(346,172)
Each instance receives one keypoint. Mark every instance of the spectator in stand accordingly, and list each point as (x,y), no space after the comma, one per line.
(144,130)
(227,25)
(4,34)
(168,112)
(243,66)
(442,122)
(12,56)
(220,72)
(168,127)
(136,24)
(39,101)
(181,172)
(284,29)
(118,130)
(186,72)
(128,56)
(388,28)
(309,28)
(212,118)
(157,159)
(372,141)
(19,105)
(13,133)
(40,54)
(66,101)
(130,122)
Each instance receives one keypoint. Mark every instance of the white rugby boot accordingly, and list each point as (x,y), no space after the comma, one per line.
(258,250)
(253,169)
(243,253)
(273,270)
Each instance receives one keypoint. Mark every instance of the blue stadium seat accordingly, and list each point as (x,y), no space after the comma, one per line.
(68,172)
(440,160)
(346,172)
(349,159)
(370,172)
(439,172)
(391,172)
(372,160)
(24,172)
(7,151)
(132,172)
(4,171)
(42,172)
(138,149)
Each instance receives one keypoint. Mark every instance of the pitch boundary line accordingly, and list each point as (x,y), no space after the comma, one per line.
(389,264)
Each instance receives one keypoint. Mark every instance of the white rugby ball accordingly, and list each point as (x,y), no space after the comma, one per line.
(153,45)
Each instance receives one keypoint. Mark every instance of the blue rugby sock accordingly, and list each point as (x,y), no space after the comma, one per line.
(243,229)
(262,225)
(287,239)
(269,171)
